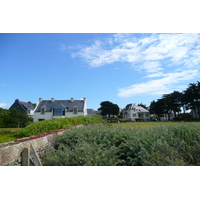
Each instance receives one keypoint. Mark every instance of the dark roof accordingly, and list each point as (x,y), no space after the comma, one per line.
(60,103)
(21,105)
(138,108)
(27,105)
(128,106)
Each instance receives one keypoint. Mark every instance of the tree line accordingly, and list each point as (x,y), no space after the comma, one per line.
(177,103)
(12,118)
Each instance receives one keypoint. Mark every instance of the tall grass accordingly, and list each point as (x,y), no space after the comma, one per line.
(173,145)
(53,124)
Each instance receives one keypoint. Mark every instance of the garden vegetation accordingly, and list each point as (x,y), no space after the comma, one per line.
(103,145)
(41,127)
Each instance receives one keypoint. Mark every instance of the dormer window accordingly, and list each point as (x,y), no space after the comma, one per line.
(43,109)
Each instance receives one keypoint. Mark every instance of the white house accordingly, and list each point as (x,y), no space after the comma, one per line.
(49,109)
(133,113)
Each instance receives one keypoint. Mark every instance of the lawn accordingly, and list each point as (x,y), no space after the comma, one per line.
(148,124)
(7,134)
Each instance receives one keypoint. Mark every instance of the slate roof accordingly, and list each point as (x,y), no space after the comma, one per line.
(23,106)
(138,108)
(27,105)
(61,103)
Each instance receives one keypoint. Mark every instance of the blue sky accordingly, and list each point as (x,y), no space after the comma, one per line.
(121,68)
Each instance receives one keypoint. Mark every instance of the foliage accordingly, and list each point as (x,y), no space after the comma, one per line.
(102,145)
(108,108)
(18,117)
(53,124)
(4,113)
(177,101)
(13,118)
(7,134)
(143,105)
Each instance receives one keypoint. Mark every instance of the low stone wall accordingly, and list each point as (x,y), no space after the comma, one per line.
(28,151)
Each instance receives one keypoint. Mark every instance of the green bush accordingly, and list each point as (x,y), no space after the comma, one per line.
(5,132)
(103,146)
(53,124)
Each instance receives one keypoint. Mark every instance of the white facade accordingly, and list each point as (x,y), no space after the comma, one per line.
(51,109)
(133,113)
(38,116)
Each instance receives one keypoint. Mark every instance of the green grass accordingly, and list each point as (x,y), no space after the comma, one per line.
(150,124)
(46,126)
(8,134)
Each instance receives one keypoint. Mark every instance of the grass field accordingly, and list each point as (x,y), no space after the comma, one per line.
(150,124)
(7,134)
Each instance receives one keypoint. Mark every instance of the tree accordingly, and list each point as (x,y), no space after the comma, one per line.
(144,106)
(3,114)
(192,94)
(108,108)
(17,117)
(172,103)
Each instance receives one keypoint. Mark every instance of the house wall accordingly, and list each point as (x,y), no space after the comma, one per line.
(49,115)
(137,115)
(38,115)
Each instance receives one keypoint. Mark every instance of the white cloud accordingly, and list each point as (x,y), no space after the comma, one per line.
(128,48)
(2,85)
(155,55)
(158,86)
(4,105)
(62,47)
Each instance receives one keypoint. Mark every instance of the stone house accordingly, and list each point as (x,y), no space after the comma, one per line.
(133,113)
(50,109)
(25,107)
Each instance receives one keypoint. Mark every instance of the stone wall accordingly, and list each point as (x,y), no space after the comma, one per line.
(27,151)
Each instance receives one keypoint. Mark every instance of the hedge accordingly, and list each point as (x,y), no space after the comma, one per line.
(53,124)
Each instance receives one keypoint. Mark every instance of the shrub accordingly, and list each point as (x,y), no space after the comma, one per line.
(103,145)
(5,132)
(53,124)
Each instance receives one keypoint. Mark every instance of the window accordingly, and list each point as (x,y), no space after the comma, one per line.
(75,111)
(141,115)
(146,115)
(42,111)
(41,119)
(134,115)
(58,111)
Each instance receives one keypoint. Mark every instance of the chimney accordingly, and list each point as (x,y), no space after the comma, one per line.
(72,99)
(84,99)
(52,99)
(30,102)
(40,99)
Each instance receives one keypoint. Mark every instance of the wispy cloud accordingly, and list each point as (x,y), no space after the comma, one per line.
(159,86)
(4,105)
(155,55)
(2,85)
(62,47)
